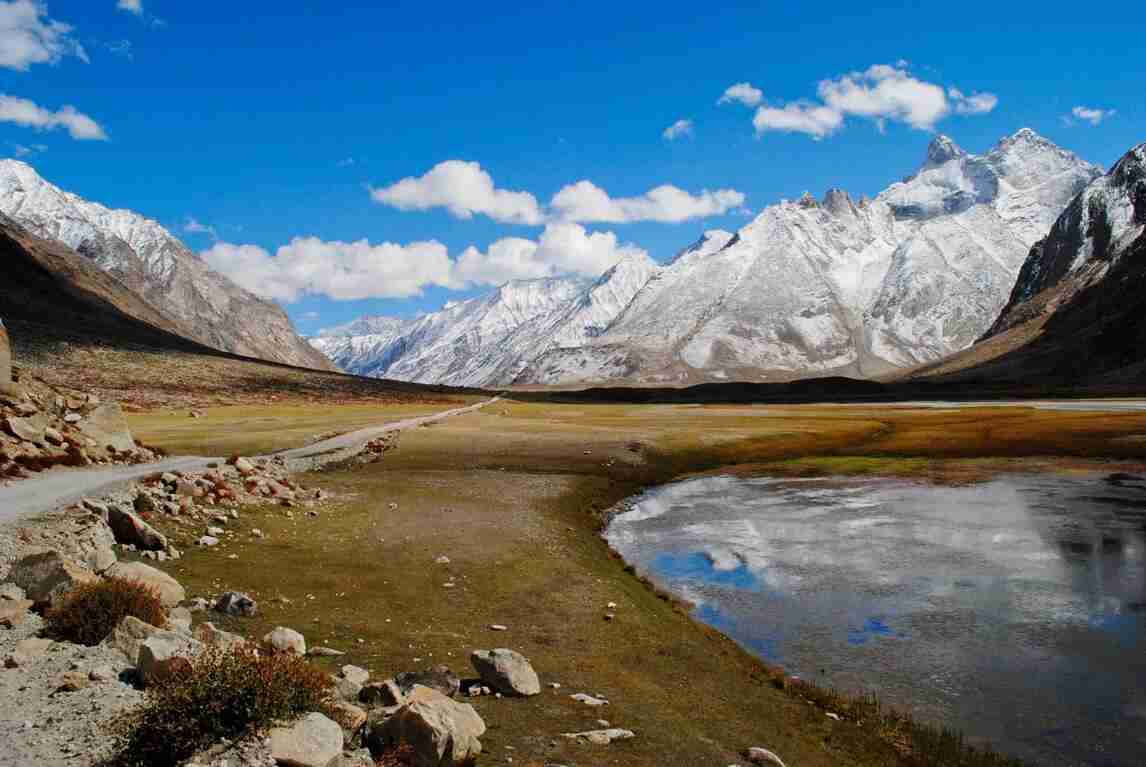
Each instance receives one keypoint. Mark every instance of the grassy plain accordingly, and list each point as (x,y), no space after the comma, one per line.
(515,496)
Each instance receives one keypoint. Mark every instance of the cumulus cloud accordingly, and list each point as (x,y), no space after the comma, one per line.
(463,188)
(346,271)
(1090,115)
(881,93)
(815,120)
(131,6)
(682,127)
(31,115)
(28,36)
(744,93)
(587,202)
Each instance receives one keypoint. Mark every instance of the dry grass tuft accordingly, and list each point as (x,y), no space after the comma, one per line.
(89,613)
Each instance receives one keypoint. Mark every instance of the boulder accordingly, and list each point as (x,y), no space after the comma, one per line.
(179,619)
(757,755)
(381,694)
(107,427)
(506,671)
(438,678)
(165,653)
(130,529)
(32,428)
(355,674)
(26,651)
(236,603)
(47,575)
(312,741)
(349,716)
(169,589)
(129,636)
(13,612)
(208,634)
(284,640)
(441,731)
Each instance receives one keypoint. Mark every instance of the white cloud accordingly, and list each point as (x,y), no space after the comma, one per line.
(25,150)
(682,127)
(464,189)
(28,36)
(975,104)
(31,115)
(1092,116)
(881,93)
(193,225)
(346,271)
(131,6)
(815,120)
(745,93)
(584,201)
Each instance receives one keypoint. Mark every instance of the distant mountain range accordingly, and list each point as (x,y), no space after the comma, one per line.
(813,287)
(200,304)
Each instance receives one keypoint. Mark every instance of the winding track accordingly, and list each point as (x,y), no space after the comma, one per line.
(54,489)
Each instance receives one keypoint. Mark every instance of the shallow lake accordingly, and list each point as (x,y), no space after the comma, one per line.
(1013,609)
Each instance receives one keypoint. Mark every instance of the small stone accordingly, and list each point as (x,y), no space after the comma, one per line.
(209,634)
(506,671)
(285,640)
(757,755)
(355,674)
(600,737)
(589,700)
(73,681)
(498,627)
(324,652)
(207,541)
(237,603)
(102,674)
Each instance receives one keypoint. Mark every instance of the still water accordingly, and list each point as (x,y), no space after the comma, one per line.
(1013,609)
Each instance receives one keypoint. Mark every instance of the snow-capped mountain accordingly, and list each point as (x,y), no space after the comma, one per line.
(811,287)
(490,339)
(149,260)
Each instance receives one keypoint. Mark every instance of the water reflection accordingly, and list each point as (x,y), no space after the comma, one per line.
(1014,608)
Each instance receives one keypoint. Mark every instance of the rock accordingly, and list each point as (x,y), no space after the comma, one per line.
(243,465)
(108,428)
(48,575)
(324,652)
(209,634)
(165,653)
(179,619)
(170,591)
(13,613)
(381,694)
(438,678)
(215,532)
(346,689)
(5,360)
(349,716)
(26,651)
(129,636)
(359,758)
(757,755)
(73,681)
(441,731)
(207,541)
(12,592)
(30,429)
(312,741)
(237,603)
(144,503)
(130,529)
(355,674)
(282,639)
(498,627)
(600,737)
(589,700)
(102,674)
(506,671)
(442,560)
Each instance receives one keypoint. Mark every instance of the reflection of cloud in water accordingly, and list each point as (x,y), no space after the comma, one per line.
(1023,594)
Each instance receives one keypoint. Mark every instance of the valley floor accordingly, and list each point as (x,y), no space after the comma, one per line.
(515,495)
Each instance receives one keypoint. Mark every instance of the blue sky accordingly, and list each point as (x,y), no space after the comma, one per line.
(270,123)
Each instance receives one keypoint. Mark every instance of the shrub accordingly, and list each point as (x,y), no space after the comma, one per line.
(399,756)
(222,694)
(90,612)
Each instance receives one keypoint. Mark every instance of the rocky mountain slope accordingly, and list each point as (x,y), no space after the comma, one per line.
(1076,312)
(202,304)
(809,288)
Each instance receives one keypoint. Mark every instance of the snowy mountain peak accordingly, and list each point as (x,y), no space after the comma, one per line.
(710,242)
(838,202)
(364,326)
(942,149)
(807,200)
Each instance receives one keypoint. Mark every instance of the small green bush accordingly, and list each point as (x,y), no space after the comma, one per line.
(90,612)
(222,694)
